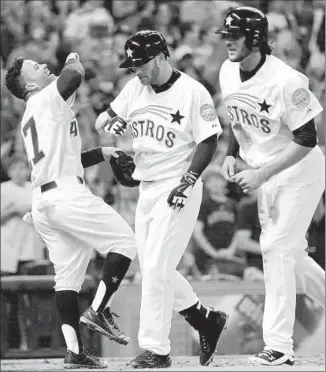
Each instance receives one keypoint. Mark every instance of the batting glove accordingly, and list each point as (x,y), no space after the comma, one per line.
(115,126)
(179,195)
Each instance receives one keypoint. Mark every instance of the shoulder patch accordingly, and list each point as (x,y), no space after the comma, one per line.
(301,98)
(207,112)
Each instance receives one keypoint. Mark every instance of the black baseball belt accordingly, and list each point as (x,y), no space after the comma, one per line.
(52,185)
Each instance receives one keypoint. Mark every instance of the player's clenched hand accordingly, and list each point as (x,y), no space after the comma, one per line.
(229,168)
(72,56)
(115,126)
(110,151)
(249,180)
(178,196)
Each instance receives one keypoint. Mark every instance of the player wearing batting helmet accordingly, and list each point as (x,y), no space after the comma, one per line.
(271,112)
(174,131)
(142,47)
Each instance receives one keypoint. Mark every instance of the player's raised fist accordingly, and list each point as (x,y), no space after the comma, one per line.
(72,56)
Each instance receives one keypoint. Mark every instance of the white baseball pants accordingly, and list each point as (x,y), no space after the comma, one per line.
(72,221)
(162,236)
(286,204)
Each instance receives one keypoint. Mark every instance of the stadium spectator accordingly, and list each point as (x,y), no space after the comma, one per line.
(19,241)
(98,30)
(215,228)
(246,237)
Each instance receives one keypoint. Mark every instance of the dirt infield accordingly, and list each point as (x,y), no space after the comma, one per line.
(221,363)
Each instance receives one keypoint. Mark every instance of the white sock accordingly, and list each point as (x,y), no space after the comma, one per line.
(71,338)
(99,296)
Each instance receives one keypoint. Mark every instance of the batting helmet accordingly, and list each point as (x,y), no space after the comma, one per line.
(143,46)
(249,22)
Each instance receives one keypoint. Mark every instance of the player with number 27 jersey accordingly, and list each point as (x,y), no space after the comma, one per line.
(51,159)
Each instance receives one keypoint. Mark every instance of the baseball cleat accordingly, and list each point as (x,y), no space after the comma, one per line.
(104,323)
(210,335)
(147,359)
(271,358)
(82,360)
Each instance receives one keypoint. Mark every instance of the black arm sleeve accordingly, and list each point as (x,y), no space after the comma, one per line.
(111,112)
(70,78)
(92,157)
(233,147)
(306,135)
(203,155)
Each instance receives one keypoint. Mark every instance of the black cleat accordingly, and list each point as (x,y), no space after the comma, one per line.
(105,324)
(147,359)
(82,360)
(210,335)
(271,358)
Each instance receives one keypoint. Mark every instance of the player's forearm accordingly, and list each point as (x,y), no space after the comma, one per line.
(291,155)
(203,155)
(92,157)
(70,78)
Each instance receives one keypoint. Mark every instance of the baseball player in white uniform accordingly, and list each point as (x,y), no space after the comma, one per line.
(271,111)
(69,218)
(174,130)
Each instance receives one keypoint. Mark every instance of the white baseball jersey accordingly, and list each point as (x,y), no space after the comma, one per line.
(166,126)
(51,137)
(265,109)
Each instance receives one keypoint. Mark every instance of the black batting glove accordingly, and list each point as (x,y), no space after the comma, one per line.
(179,195)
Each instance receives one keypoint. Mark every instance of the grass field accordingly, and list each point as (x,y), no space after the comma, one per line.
(220,363)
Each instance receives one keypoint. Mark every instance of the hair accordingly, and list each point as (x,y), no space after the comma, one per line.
(13,79)
(265,48)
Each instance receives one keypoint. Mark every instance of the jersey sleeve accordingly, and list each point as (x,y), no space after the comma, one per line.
(299,104)
(54,101)
(120,105)
(204,120)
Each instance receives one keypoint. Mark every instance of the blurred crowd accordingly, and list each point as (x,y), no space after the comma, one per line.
(225,241)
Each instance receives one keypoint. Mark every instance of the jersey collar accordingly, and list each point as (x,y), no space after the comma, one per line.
(162,88)
(246,75)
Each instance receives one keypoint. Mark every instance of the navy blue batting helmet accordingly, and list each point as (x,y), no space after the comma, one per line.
(247,21)
(143,46)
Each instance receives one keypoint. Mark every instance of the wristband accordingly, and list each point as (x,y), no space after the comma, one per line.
(190,178)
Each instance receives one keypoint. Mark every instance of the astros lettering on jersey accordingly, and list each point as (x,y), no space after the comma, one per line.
(51,137)
(166,127)
(265,109)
